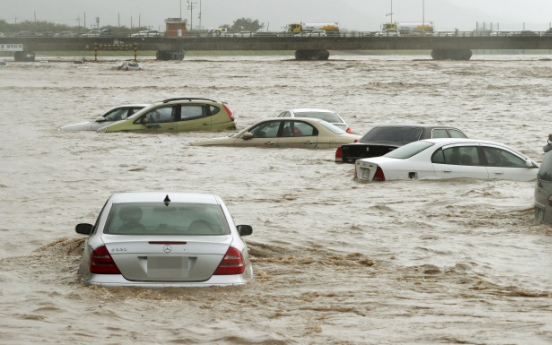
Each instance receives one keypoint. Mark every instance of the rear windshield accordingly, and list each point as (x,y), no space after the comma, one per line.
(332,128)
(545,170)
(158,219)
(393,135)
(330,117)
(409,150)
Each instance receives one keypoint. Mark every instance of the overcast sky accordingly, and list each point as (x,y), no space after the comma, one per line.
(350,14)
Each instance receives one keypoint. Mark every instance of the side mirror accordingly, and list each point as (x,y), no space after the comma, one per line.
(84,228)
(144,120)
(100,119)
(528,163)
(245,230)
(247,136)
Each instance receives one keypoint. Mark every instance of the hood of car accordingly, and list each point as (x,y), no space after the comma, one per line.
(83,126)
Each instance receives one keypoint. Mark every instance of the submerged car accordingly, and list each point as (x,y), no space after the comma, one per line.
(3,64)
(543,189)
(382,139)
(280,132)
(322,114)
(178,114)
(111,116)
(130,66)
(446,159)
(165,239)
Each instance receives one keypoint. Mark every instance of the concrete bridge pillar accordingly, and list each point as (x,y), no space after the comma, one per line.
(451,54)
(166,55)
(312,55)
(24,56)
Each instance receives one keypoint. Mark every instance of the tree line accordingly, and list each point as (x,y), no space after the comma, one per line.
(241,24)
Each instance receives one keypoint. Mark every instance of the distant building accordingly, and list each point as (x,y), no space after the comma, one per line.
(175,27)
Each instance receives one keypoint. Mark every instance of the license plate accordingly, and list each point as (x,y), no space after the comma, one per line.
(167,267)
(365,174)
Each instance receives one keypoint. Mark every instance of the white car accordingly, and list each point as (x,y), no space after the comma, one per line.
(165,239)
(448,158)
(3,64)
(146,33)
(130,66)
(113,115)
(322,114)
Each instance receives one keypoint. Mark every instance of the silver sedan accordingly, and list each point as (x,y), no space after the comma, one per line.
(165,240)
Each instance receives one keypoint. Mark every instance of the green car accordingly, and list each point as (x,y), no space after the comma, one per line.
(176,115)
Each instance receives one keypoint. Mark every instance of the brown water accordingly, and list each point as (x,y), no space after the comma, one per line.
(405,262)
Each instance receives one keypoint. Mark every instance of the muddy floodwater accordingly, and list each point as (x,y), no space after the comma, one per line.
(335,261)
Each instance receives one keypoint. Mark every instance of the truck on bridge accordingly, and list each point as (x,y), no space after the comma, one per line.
(331,29)
(409,28)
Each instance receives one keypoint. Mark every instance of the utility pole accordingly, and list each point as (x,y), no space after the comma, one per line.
(191,8)
(199,15)
(423,12)
(391,13)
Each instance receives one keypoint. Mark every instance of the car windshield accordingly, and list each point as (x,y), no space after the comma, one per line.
(392,135)
(332,128)
(173,219)
(326,116)
(409,150)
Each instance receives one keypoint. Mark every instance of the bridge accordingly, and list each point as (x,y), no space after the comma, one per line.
(454,46)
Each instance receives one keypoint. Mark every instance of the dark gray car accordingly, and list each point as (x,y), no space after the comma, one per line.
(543,189)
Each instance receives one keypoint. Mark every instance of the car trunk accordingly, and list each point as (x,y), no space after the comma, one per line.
(169,260)
(356,151)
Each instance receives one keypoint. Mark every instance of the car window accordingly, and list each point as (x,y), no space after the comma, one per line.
(439,133)
(116,114)
(409,150)
(545,170)
(500,158)
(395,135)
(173,219)
(213,110)
(454,133)
(298,129)
(134,110)
(458,155)
(329,117)
(266,129)
(161,114)
(191,111)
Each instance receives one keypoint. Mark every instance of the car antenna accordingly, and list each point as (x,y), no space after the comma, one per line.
(167,201)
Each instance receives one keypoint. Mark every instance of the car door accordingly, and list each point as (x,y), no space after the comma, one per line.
(503,164)
(264,134)
(193,117)
(161,119)
(459,161)
(298,134)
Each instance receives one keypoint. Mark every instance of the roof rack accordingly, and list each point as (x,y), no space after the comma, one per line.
(187,98)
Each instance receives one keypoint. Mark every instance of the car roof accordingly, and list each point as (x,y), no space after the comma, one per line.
(138,197)
(417,125)
(303,110)
(445,141)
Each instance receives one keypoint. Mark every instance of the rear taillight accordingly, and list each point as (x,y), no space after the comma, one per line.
(356,141)
(349,130)
(228,111)
(379,176)
(338,155)
(101,262)
(232,263)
